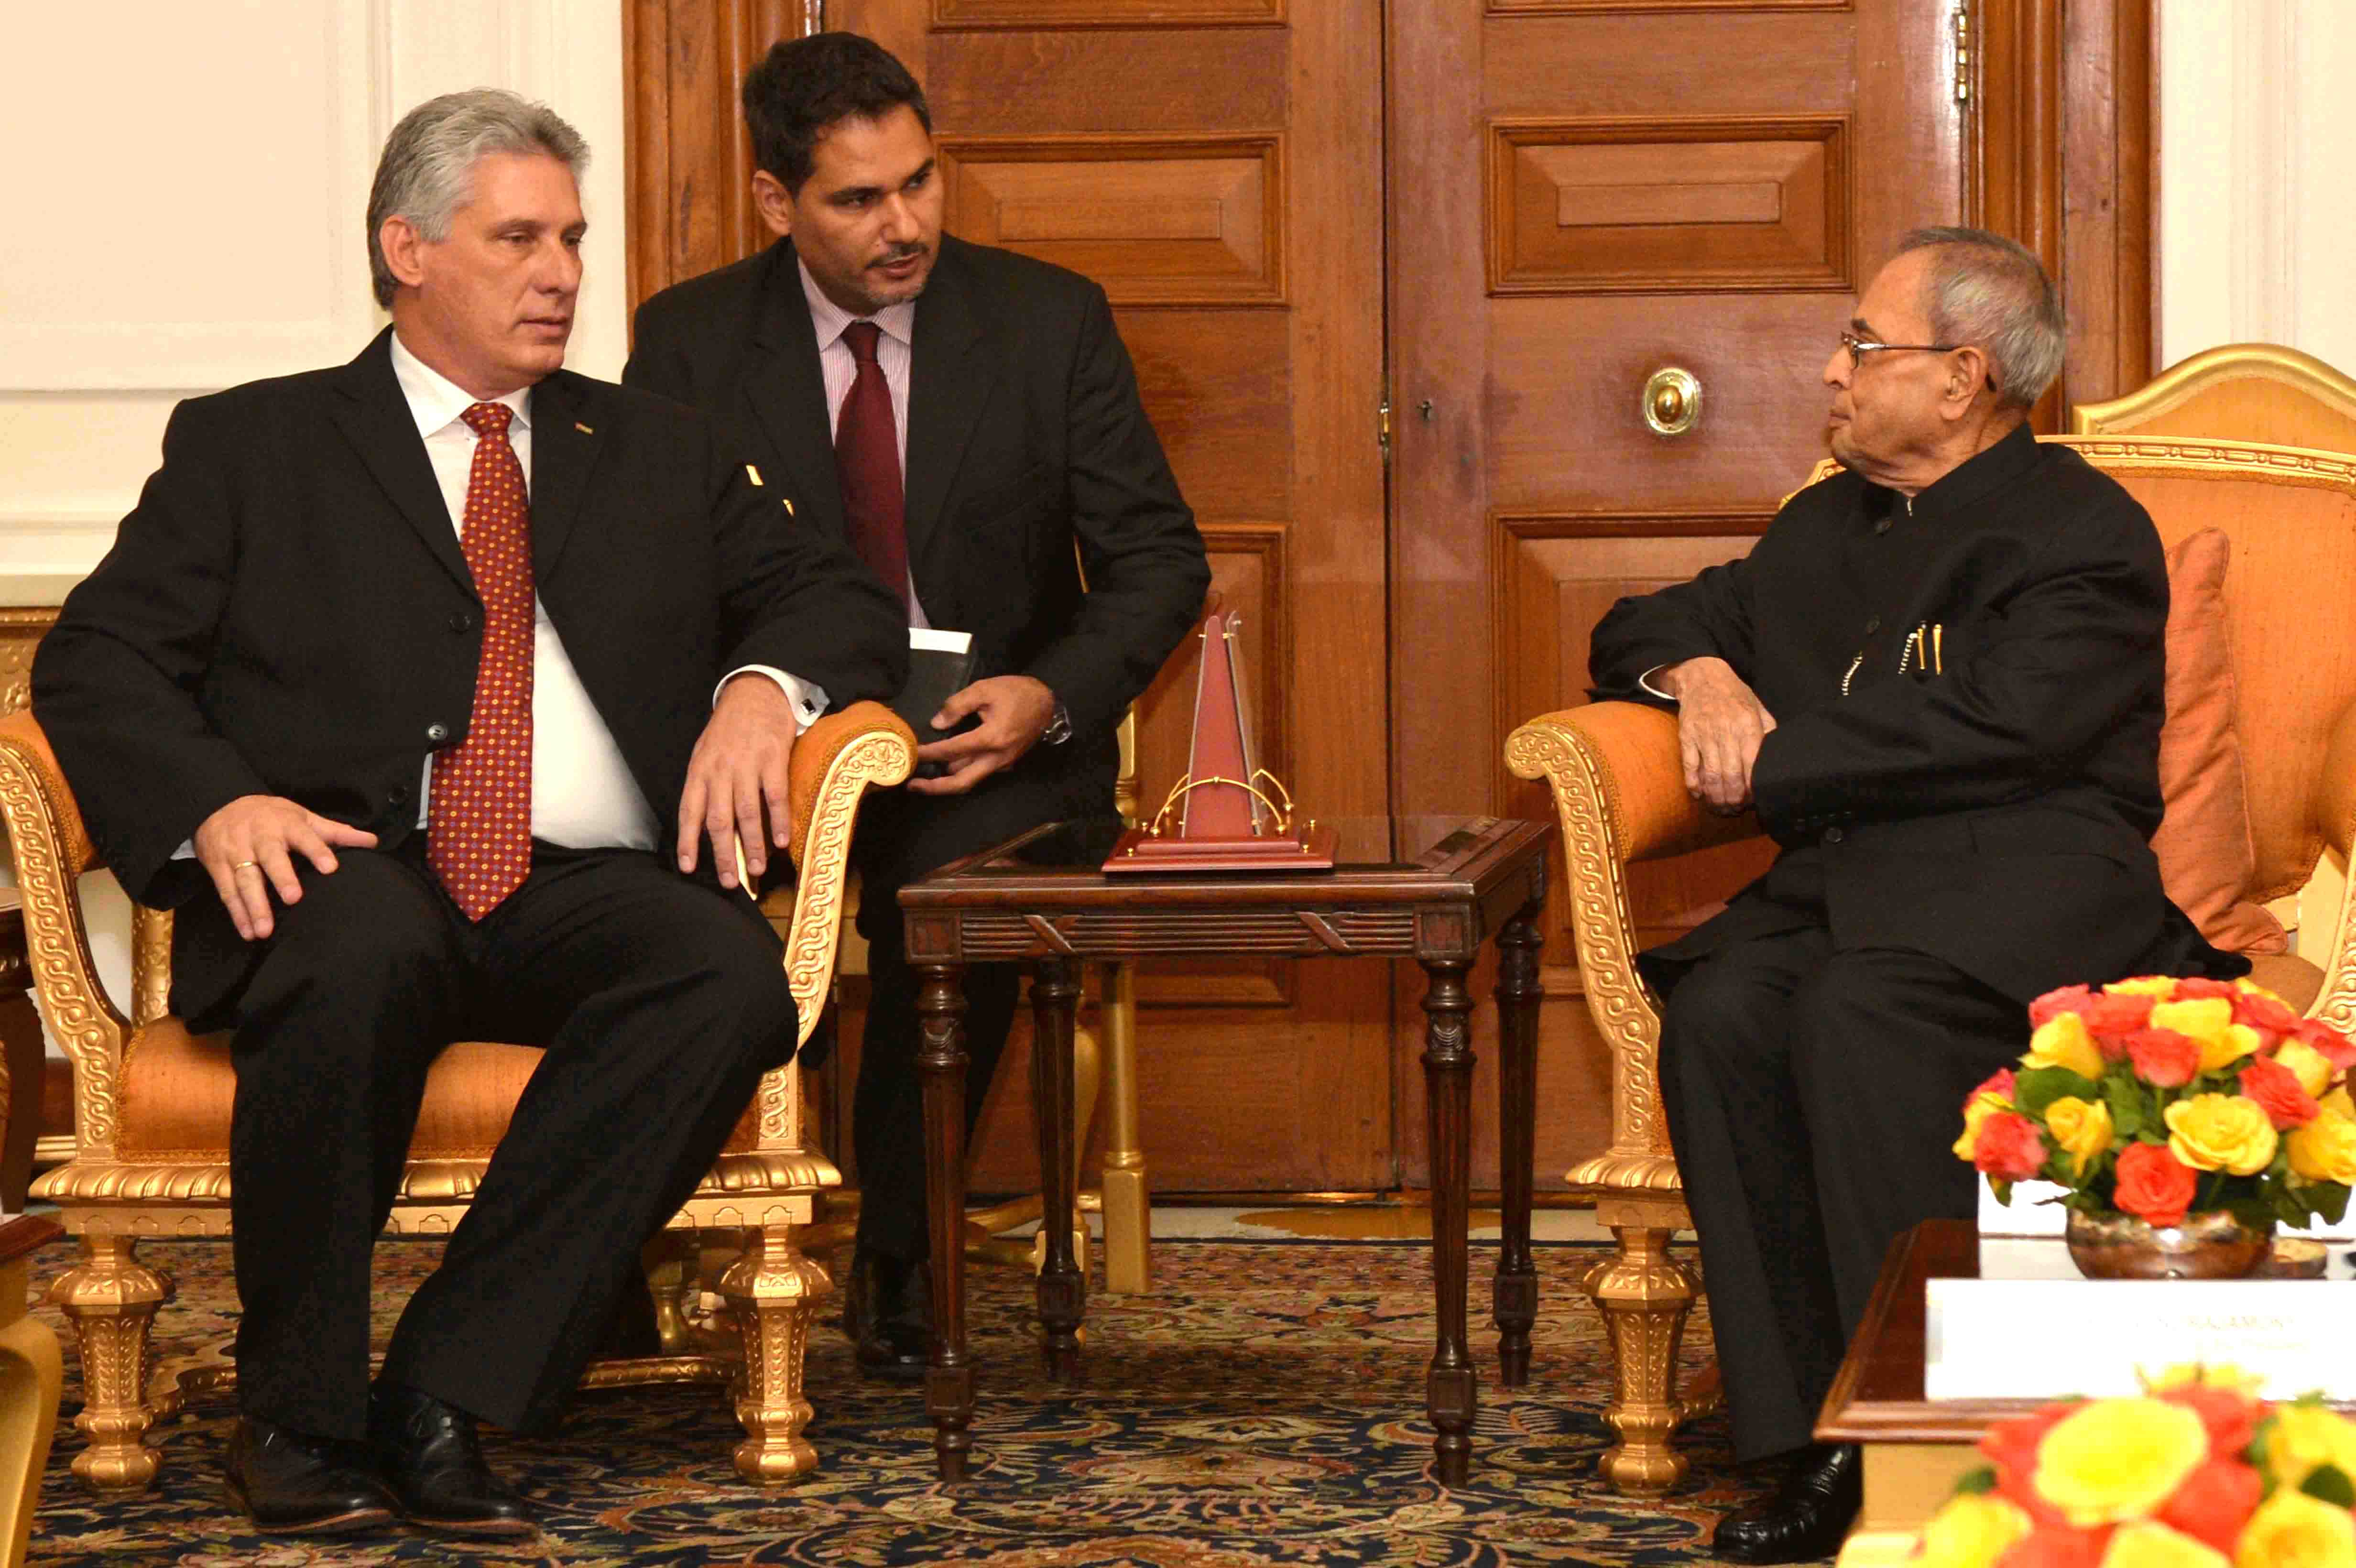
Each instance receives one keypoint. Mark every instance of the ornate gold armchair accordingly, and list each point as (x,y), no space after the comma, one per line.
(1617,786)
(152,1118)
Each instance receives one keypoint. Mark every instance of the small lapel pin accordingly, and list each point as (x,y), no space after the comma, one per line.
(584,429)
(752,474)
(789,500)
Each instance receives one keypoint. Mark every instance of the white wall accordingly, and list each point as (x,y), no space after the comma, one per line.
(185,190)
(2257,229)
(186,187)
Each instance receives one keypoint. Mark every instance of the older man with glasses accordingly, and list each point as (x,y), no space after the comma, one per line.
(1938,681)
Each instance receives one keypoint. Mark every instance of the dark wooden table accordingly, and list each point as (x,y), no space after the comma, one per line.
(1040,898)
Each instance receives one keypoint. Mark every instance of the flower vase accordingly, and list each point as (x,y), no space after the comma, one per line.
(2211,1244)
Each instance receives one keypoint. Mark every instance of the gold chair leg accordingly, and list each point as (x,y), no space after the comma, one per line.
(1128,1199)
(32,1375)
(775,1292)
(1644,1294)
(110,1298)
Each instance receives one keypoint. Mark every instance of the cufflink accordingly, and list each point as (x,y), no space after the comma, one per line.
(1058,730)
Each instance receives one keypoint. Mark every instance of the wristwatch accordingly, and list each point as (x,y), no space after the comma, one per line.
(1059,728)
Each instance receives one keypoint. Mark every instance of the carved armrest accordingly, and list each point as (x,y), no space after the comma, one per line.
(840,758)
(1619,788)
(2335,820)
(51,849)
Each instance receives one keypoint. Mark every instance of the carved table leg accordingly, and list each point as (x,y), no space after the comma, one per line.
(1448,1087)
(1515,1298)
(1128,1198)
(948,1381)
(25,1055)
(1062,1288)
(775,1293)
(110,1298)
(1643,1296)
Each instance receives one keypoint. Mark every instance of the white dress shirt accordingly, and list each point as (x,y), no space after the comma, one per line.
(838,367)
(583,794)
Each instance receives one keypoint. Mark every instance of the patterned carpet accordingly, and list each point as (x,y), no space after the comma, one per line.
(1263,1407)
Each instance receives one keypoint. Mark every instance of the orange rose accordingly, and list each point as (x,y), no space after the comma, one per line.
(2068,999)
(2153,1185)
(2058,1546)
(2276,1089)
(2214,1503)
(2009,1148)
(2163,1058)
(2230,1414)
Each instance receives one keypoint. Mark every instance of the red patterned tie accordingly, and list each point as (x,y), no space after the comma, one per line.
(867,466)
(478,820)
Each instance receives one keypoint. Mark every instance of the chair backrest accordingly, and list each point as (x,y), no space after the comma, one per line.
(2290,515)
(2244,391)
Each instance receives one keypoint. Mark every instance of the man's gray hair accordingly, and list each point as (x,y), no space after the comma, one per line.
(427,171)
(1992,293)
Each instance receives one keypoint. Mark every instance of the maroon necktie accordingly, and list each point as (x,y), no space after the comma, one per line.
(479,815)
(867,464)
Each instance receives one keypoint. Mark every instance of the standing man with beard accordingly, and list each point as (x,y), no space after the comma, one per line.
(963,417)
(1937,679)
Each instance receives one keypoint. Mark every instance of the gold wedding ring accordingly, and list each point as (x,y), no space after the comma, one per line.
(242,864)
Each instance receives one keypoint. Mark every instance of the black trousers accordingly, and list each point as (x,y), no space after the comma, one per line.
(1813,1097)
(660,1001)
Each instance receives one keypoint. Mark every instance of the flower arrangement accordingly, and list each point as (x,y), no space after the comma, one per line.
(2157,1097)
(2197,1473)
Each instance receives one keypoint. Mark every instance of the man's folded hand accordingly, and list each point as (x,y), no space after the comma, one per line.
(1720,723)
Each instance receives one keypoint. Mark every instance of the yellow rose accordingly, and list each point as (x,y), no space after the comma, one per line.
(2222,1132)
(2161,986)
(2291,1529)
(2339,1102)
(2118,1459)
(2209,1021)
(2325,1151)
(2301,1438)
(2310,1066)
(2156,1546)
(2200,1374)
(2062,1040)
(2081,1127)
(1971,1531)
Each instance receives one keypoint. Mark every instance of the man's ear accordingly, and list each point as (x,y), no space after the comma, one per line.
(404,249)
(774,204)
(1967,376)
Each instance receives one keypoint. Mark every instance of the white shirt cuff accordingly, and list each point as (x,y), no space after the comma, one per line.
(809,700)
(1646,680)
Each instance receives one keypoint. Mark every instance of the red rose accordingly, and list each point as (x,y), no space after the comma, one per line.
(1999,1085)
(2260,1011)
(2194,990)
(2057,1546)
(2152,1184)
(2111,1018)
(2010,1148)
(2163,1057)
(2275,1089)
(2327,1041)
(2230,1417)
(2052,1003)
(2214,1503)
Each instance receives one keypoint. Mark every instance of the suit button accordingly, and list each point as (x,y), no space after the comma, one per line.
(461,623)
(397,794)
(437,733)
(1873,626)
(1882,526)
(1832,836)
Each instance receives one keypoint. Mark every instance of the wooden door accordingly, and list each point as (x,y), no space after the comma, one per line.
(1584,195)
(1216,165)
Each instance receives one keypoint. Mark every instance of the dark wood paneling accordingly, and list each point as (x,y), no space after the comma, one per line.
(1127,14)
(1156,221)
(1664,206)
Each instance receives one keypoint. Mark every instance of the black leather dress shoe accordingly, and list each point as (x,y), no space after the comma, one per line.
(1807,1517)
(887,1311)
(429,1456)
(293,1483)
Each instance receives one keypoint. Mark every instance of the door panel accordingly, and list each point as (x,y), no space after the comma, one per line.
(1579,200)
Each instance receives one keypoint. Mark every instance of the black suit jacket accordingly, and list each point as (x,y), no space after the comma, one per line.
(1025,434)
(1995,811)
(288,611)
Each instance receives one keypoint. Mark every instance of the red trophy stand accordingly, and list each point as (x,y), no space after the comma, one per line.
(1226,813)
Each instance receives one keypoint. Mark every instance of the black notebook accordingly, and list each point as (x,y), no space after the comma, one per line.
(940,664)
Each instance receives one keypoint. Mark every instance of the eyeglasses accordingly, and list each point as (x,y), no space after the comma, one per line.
(1859,347)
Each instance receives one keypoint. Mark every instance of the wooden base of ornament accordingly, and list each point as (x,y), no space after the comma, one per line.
(1139,850)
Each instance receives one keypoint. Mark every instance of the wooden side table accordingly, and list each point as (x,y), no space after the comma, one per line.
(1041,899)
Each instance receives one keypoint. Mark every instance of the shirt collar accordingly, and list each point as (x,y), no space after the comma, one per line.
(434,400)
(898,322)
(1980,474)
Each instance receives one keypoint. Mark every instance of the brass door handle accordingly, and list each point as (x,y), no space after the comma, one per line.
(1672,401)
